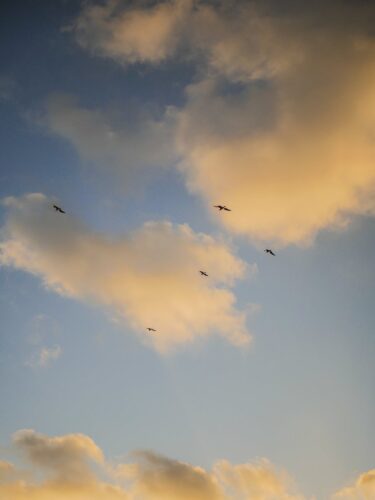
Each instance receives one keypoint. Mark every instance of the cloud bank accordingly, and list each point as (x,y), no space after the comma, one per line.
(73,466)
(279,119)
(149,277)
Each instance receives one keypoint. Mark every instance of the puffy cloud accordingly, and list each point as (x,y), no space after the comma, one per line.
(281,125)
(135,34)
(66,458)
(258,481)
(73,466)
(162,478)
(65,464)
(363,489)
(150,277)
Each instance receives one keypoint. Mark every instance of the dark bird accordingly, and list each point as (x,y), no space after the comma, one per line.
(222,207)
(58,209)
(151,329)
(203,273)
(267,250)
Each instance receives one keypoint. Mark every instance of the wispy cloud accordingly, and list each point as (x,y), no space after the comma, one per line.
(130,145)
(280,123)
(45,356)
(149,278)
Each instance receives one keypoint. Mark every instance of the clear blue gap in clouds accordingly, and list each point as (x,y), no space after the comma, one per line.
(302,396)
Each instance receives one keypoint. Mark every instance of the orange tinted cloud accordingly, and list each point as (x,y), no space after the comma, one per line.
(148,35)
(72,466)
(280,124)
(149,277)
(362,489)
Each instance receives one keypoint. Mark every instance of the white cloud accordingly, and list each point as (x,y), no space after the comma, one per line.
(149,277)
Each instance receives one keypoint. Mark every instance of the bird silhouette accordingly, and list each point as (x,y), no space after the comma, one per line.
(203,273)
(222,207)
(151,329)
(268,250)
(58,209)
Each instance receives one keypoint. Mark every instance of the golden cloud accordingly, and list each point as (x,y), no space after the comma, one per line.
(363,489)
(72,466)
(149,277)
(131,35)
(281,125)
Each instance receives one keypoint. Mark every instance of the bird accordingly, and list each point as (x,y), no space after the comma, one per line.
(222,207)
(203,273)
(58,209)
(268,250)
(151,329)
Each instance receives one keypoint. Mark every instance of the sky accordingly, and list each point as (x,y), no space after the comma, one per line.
(136,118)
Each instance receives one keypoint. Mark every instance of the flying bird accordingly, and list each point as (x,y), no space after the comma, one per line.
(151,329)
(268,250)
(58,209)
(222,207)
(203,273)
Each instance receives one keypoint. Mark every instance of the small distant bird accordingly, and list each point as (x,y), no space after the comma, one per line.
(267,250)
(151,329)
(203,273)
(222,207)
(58,209)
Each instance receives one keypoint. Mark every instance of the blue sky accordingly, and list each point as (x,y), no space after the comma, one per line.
(301,394)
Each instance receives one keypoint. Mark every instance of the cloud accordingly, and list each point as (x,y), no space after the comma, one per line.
(258,481)
(162,478)
(279,122)
(131,35)
(65,458)
(149,277)
(363,489)
(131,145)
(73,466)
(45,356)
